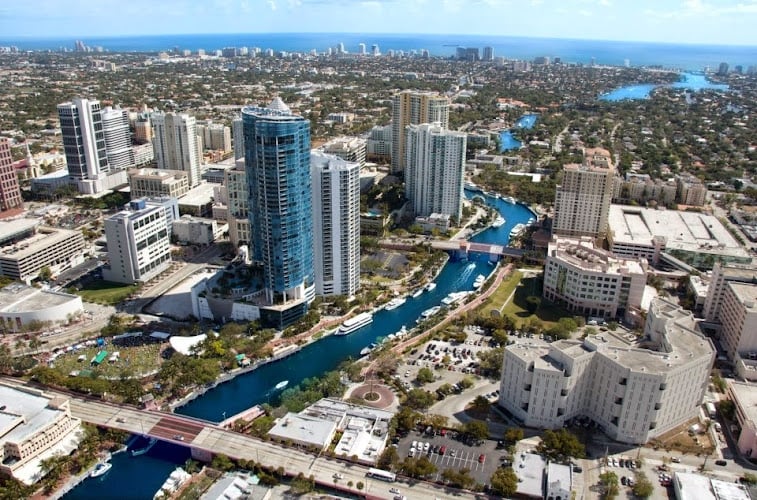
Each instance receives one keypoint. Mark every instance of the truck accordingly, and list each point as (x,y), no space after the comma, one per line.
(711,411)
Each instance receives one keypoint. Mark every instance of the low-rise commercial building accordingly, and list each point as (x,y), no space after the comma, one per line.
(197,230)
(22,306)
(55,248)
(149,182)
(33,427)
(591,281)
(634,391)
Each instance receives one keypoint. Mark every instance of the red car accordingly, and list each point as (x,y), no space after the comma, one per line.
(481,458)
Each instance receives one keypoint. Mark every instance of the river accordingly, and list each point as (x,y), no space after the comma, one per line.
(258,386)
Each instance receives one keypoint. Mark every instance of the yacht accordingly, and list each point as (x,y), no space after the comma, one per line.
(480,279)
(430,312)
(395,303)
(142,451)
(509,199)
(517,230)
(100,469)
(498,222)
(355,323)
(365,351)
(453,297)
(430,287)
(402,332)
(417,293)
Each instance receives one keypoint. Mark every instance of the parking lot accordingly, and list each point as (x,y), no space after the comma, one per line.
(447,452)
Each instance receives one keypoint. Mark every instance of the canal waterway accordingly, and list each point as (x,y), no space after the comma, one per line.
(693,82)
(507,141)
(258,386)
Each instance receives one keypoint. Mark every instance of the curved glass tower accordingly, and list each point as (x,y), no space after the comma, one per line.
(277,163)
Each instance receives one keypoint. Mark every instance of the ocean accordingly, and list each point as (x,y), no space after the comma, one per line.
(677,56)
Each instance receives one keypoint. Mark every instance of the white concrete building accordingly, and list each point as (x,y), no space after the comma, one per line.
(217,137)
(84,143)
(175,144)
(722,274)
(413,108)
(138,243)
(378,147)
(238,201)
(336,224)
(197,230)
(435,170)
(738,316)
(559,482)
(117,138)
(744,397)
(582,201)
(22,306)
(150,182)
(635,392)
(33,427)
(51,247)
(350,149)
(591,281)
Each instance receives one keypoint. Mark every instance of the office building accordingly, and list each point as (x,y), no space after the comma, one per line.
(378,146)
(35,426)
(277,161)
(413,108)
(197,230)
(744,399)
(143,129)
(694,238)
(361,49)
(55,248)
(175,144)
(115,122)
(336,224)
(634,391)
(237,129)
(351,149)
(582,200)
(592,282)
(722,274)
(434,170)
(83,137)
(138,243)
(691,191)
(217,137)
(149,182)
(10,191)
(738,317)
(238,200)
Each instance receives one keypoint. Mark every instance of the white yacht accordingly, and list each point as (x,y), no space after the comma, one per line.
(417,293)
(480,279)
(430,312)
(453,297)
(395,303)
(430,287)
(100,469)
(355,323)
(516,230)
(498,222)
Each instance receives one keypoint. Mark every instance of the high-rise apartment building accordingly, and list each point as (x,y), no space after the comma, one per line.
(723,273)
(138,243)
(488,54)
(238,201)
(217,137)
(277,160)
(336,224)
(237,130)
(413,108)
(378,146)
(175,144)
(143,129)
(83,136)
(117,138)
(634,392)
(434,169)
(582,200)
(10,192)
(350,149)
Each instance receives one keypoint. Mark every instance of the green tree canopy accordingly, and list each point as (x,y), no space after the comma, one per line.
(504,482)
(560,445)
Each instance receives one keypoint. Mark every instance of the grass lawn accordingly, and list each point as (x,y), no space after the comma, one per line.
(498,298)
(106,292)
(548,313)
(136,360)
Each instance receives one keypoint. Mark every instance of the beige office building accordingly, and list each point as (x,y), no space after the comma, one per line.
(155,182)
(634,391)
(582,201)
(51,247)
(414,108)
(235,180)
(591,281)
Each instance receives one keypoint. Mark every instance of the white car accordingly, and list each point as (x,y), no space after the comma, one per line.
(395,491)
(426,446)
(414,445)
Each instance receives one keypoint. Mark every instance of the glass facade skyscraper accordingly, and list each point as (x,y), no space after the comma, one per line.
(277,163)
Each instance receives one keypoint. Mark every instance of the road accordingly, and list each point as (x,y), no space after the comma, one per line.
(206,436)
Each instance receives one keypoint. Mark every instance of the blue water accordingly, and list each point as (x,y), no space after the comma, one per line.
(507,141)
(685,57)
(258,386)
(689,81)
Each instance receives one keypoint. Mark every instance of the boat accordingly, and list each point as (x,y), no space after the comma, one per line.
(355,323)
(417,293)
(430,312)
(391,336)
(430,287)
(453,297)
(516,230)
(402,332)
(480,279)
(395,303)
(498,222)
(365,351)
(142,451)
(531,220)
(100,469)
(509,199)
(281,385)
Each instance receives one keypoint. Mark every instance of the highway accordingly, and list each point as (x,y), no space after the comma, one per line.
(207,437)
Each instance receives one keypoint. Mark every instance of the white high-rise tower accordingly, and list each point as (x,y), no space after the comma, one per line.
(117,138)
(83,140)
(175,144)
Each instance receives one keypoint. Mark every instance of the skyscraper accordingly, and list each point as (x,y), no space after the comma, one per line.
(10,192)
(277,161)
(582,201)
(237,131)
(81,127)
(412,108)
(361,49)
(488,54)
(435,159)
(336,224)
(117,138)
(175,144)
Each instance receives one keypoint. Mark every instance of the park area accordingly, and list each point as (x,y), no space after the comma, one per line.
(106,292)
(139,361)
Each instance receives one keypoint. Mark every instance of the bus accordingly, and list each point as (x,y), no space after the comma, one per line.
(387,476)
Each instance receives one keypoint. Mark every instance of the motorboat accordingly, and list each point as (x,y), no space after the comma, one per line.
(365,351)
(498,222)
(281,384)
(430,312)
(516,230)
(453,297)
(480,279)
(418,293)
(100,469)
(395,303)
(430,287)
(355,323)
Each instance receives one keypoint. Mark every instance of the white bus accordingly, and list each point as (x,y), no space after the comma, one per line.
(382,474)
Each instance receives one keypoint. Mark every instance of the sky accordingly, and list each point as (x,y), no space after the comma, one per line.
(727,22)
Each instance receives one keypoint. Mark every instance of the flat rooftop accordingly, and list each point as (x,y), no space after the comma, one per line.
(32,408)
(9,229)
(156,173)
(685,231)
(304,429)
(45,238)
(746,292)
(582,254)
(202,194)
(22,298)
(693,486)
(529,468)
(746,395)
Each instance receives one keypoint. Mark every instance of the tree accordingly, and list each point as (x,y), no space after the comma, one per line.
(532,303)
(499,336)
(749,478)
(560,445)
(609,482)
(425,376)
(459,479)
(513,435)
(405,419)
(360,485)
(481,403)
(491,361)
(45,273)
(388,459)
(642,488)
(504,482)
(419,399)
(476,430)
(301,484)
(222,462)
(418,467)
